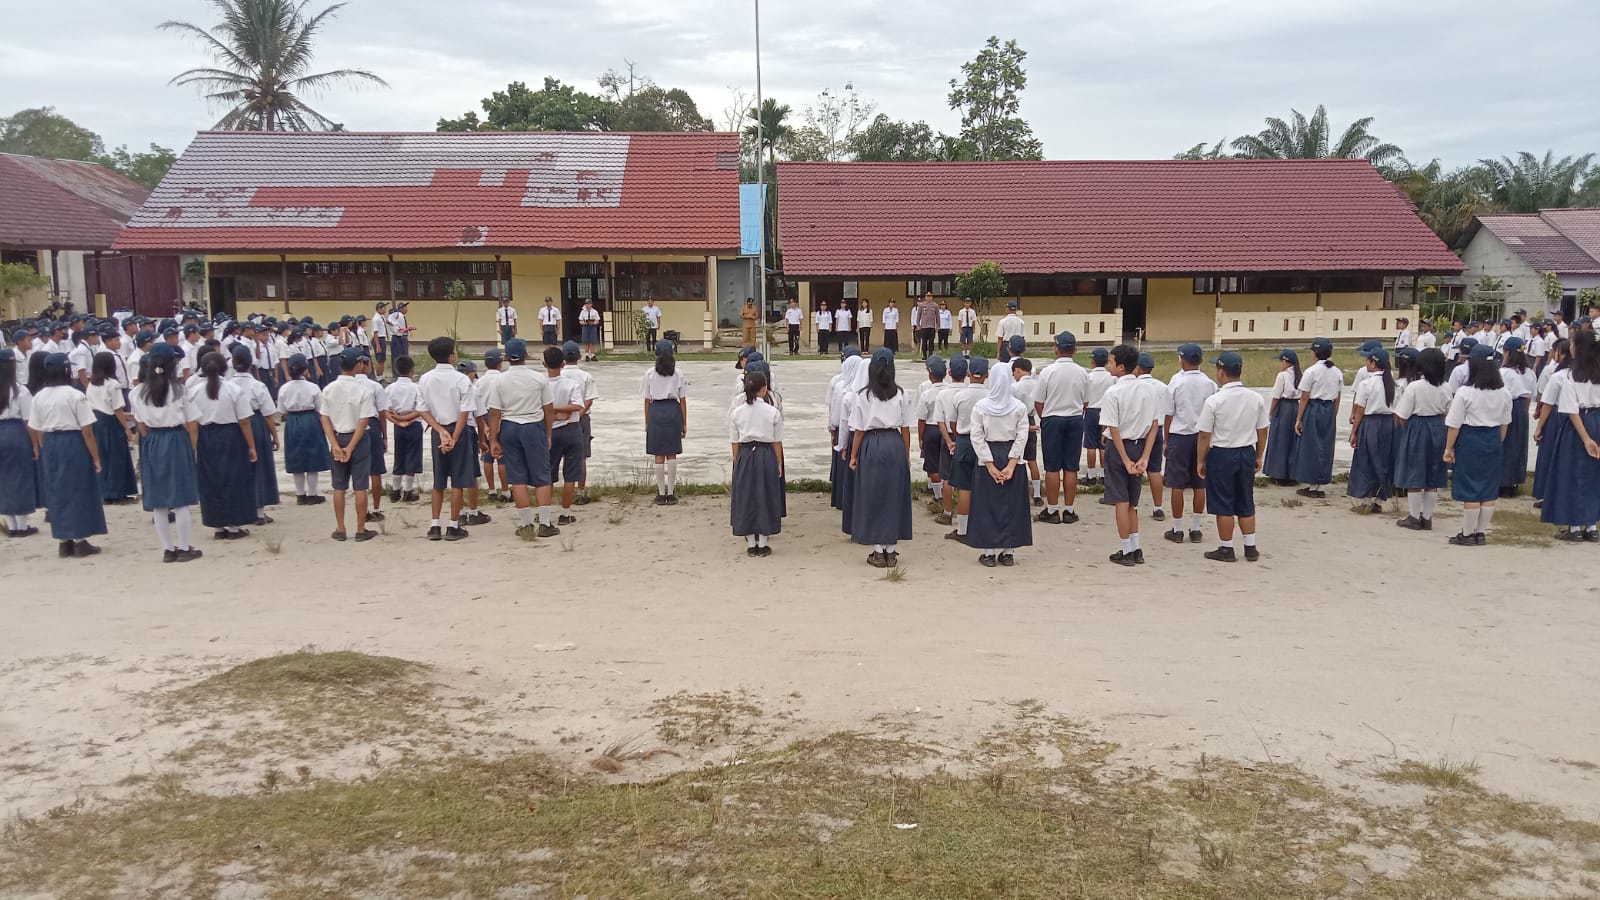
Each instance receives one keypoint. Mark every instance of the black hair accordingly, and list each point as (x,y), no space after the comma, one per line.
(1431,366)
(58,377)
(160,382)
(1405,366)
(1484,375)
(35,372)
(211,345)
(1388,385)
(666,364)
(753,383)
(554,358)
(440,349)
(1324,354)
(213,366)
(1126,356)
(103,368)
(242,360)
(1562,346)
(1586,358)
(880,380)
(1515,359)
(8,383)
(1023,363)
(298,368)
(1297,373)
(404,366)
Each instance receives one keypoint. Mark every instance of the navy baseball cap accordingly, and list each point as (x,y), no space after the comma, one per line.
(1100,355)
(516,348)
(1370,345)
(1146,362)
(1190,353)
(19,334)
(1012,305)
(1379,356)
(1289,356)
(1017,344)
(1481,351)
(1229,362)
(1066,340)
(466,365)
(1513,343)
(1321,344)
(978,367)
(495,358)
(958,367)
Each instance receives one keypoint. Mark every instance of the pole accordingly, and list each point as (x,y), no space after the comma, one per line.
(761,192)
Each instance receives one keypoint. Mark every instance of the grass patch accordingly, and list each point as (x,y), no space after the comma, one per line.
(1515,528)
(1446,774)
(894,575)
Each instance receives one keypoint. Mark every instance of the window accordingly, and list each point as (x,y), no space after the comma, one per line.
(1284,284)
(661,280)
(852,290)
(945,287)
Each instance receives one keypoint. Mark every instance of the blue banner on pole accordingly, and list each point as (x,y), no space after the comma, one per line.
(750,207)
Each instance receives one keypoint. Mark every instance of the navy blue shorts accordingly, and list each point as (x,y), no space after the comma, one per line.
(1093,437)
(964,464)
(550,335)
(966,335)
(1122,487)
(380,349)
(408,449)
(374,444)
(1030,450)
(1180,465)
(1231,481)
(358,470)
(525,452)
(588,436)
(454,469)
(1158,450)
(1062,437)
(566,453)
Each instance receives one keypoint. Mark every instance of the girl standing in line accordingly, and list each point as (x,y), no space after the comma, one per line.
(945,323)
(838,449)
(305,446)
(168,433)
(19,486)
(1550,425)
(1281,437)
(1315,423)
(755,431)
(225,451)
(880,458)
(1372,433)
(849,398)
(1001,518)
(1573,496)
(1520,383)
(111,434)
(864,325)
(61,425)
(262,428)
(1480,413)
(1419,441)
(666,421)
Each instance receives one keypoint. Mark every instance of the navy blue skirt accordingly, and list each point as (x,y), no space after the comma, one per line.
(266,466)
(1281,441)
(69,477)
(305,445)
(1573,495)
(837,463)
(19,482)
(1419,454)
(591,334)
(881,498)
(1554,427)
(759,503)
(116,460)
(1313,454)
(663,434)
(1001,518)
(408,449)
(166,466)
(1372,467)
(1514,460)
(1476,478)
(227,483)
(845,485)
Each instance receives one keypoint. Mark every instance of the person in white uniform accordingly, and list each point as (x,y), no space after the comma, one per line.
(1232,446)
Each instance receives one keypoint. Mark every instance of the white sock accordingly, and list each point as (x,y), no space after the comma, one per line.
(433,523)
(452,523)
(661,479)
(300,483)
(311,482)
(1591,529)
(163,529)
(1066,507)
(878,548)
(183,523)
(261,513)
(1469,522)
(1430,502)
(889,548)
(546,516)
(1485,514)
(961,524)
(408,483)
(672,476)
(1127,545)
(1414,504)
(1135,539)
(1228,543)
(1250,540)
(1575,529)
(938,490)
(761,540)
(1197,521)
(750,541)
(990,551)
(1008,551)
(1037,487)
(1159,508)
(525,515)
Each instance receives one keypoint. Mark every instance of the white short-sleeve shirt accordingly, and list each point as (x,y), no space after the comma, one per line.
(1482,408)
(758,422)
(178,411)
(1233,416)
(1322,382)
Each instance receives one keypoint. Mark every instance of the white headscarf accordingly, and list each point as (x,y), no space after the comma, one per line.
(1001,401)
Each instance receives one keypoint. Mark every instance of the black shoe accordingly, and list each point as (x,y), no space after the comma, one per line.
(264,520)
(375,515)
(1107,501)
(394,496)
(988,561)
(317,499)
(435,533)
(455,534)
(567,520)
(956,536)
(943,518)
(365,535)
(1068,517)
(1007,559)
(660,500)
(339,536)
(1048,517)
(1038,501)
(301,500)
(1196,536)
(767,551)
(1174,536)
(1308,492)
(878,560)
(1479,539)
(1123,559)
(1376,507)
(1410,523)
(672,499)
(30,531)
(65,550)
(477,518)
(583,500)
(1160,515)
(752,552)
(222,534)
(84,548)
(169,556)
(189,555)
(1222,554)
(1138,557)
(1251,553)
(1462,540)
(410,496)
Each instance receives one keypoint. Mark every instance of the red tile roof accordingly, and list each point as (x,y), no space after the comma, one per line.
(58,204)
(234,191)
(1168,216)
(1566,241)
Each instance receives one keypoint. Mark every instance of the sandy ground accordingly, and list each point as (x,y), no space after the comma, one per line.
(1350,644)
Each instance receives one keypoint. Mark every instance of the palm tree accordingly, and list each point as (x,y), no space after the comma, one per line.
(773,130)
(263,51)
(1308,139)
(1446,201)
(1530,184)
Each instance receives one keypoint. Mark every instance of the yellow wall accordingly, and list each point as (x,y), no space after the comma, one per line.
(1174,312)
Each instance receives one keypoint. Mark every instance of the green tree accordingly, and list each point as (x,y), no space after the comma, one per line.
(263,51)
(145,168)
(775,131)
(983,283)
(989,96)
(45,132)
(1302,138)
(639,104)
(1202,151)
(1529,184)
(554,107)
(1446,201)
(892,140)
(17,279)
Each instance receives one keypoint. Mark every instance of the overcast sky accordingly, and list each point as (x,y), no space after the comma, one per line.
(1453,79)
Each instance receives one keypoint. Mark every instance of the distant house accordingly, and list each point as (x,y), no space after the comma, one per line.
(324,224)
(61,217)
(1222,252)
(1518,249)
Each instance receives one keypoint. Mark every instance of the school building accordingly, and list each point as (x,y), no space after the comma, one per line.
(1225,252)
(326,224)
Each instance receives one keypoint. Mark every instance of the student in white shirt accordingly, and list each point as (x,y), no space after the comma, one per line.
(881,417)
(377,435)
(590,393)
(1189,389)
(82,356)
(399,331)
(112,433)
(666,420)
(1520,382)
(755,436)
(347,408)
(1425,336)
(1283,409)
(265,429)
(1094,443)
(405,415)
(1477,421)
(1321,387)
(793,316)
(1419,441)
(1025,389)
(1061,392)
(589,327)
(946,323)
(1403,339)
(824,322)
(652,321)
(864,325)
(1011,326)
(843,333)
(957,415)
(1571,499)
(225,454)
(447,404)
(168,432)
(61,426)
(305,445)
(891,326)
(19,489)
(1372,433)
(521,413)
(567,445)
(1000,520)
(938,417)
(1145,380)
(1232,445)
(506,318)
(380,335)
(932,444)
(1549,426)
(1131,418)
(967,321)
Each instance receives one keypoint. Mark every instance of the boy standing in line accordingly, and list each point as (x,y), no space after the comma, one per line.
(1232,424)
(793,316)
(520,412)
(447,404)
(590,394)
(346,409)
(1189,388)
(1060,395)
(566,431)
(1130,416)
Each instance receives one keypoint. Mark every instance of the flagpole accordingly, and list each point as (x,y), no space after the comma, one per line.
(761,194)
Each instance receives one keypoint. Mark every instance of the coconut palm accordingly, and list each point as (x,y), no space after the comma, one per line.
(1446,201)
(263,53)
(1529,184)
(774,130)
(1303,138)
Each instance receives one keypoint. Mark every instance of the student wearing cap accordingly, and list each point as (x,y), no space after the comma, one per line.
(1131,418)
(591,393)
(549,319)
(1425,336)
(1321,387)
(946,323)
(405,414)
(1520,382)
(1573,498)
(226,451)
(1402,340)
(939,409)
(1189,390)
(61,426)
(380,336)
(1094,443)
(1519,325)
(264,428)
(377,434)
(447,404)
(566,431)
(1458,375)
(881,415)
(317,344)
(494,472)
(755,434)
(1479,416)
(1011,326)
(112,430)
(1145,380)
(19,482)
(1372,432)
(82,355)
(589,331)
(347,408)
(399,331)
(1025,389)
(967,322)
(1419,440)
(477,437)
(793,316)
(932,443)
(305,444)
(1562,329)
(1538,348)
(1231,447)
(521,415)
(958,405)
(168,430)
(1061,393)
(1284,408)
(505,318)
(1000,520)
(666,420)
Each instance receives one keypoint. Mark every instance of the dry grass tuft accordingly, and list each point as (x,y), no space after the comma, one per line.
(1446,774)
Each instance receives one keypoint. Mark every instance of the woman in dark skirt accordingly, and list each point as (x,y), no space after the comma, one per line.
(1419,440)
(838,447)
(1574,492)
(225,452)
(1315,423)
(1479,414)
(111,430)
(666,421)
(1550,425)
(305,446)
(880,459)
(851,396)
(19,483)
(755,431)
(61,425)
(167,436)
(1001,518)
(264,466)
(1520,383)
(1281,438)
(1372,433)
